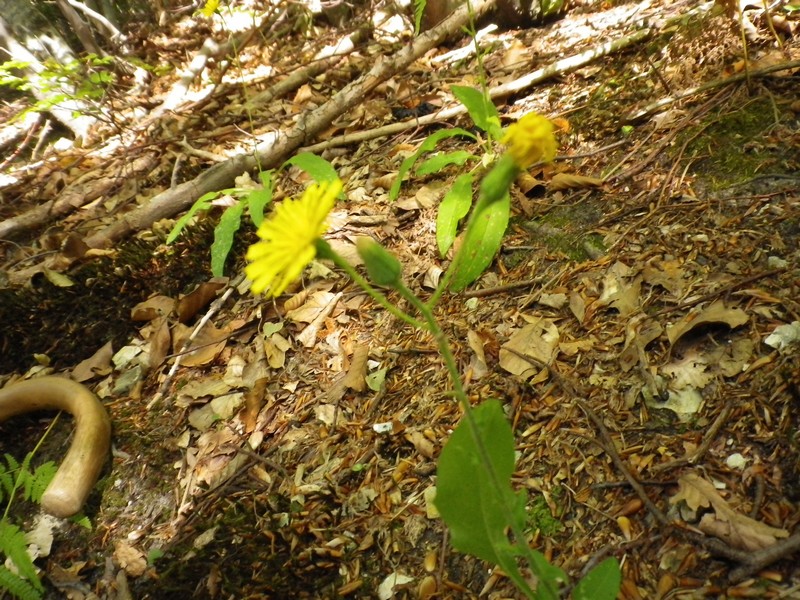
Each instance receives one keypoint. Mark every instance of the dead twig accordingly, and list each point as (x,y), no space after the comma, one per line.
(213,309)
(750,562)
(605,437)
(719,292)
(659,105)
(708,439)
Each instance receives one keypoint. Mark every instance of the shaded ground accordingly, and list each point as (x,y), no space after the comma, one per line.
(650,296)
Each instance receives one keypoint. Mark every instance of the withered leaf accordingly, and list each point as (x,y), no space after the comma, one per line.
(725,523)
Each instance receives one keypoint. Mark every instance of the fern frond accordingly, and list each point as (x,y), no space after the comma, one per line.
(6,481)
(17,585)
(82,520)
(13,465)
(6,485)
(14,545)
(36,484)
(26,463)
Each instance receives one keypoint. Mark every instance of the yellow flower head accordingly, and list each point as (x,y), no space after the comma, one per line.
(530,140)
(209,8)
(287,239)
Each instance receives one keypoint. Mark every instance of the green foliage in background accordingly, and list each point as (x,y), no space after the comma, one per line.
(17,480)
(541,519)
(253,200)
(428,145)
(419,10)
(85,78)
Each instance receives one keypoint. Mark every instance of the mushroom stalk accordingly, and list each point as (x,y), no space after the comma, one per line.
(87,454)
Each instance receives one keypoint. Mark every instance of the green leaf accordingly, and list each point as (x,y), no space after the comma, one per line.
(445,159)
(13,465)
(481,243)
(426,146)
(82,521)
(453,208)
(17,585)
(481,109)
(36,484)
(467,497)
(601,583)
(319,169)
(479,508)
(153,555)
(6,477)
(469,504)
(14,546)
(257,200)
(551,7)
(419,10)
(375,380)
(202,203)
(224,232)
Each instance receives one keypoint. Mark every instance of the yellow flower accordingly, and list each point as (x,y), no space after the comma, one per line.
(287,239)
(209,8)
(530,140)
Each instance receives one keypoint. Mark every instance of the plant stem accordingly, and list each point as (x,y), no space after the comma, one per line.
(458,388)
(372,292)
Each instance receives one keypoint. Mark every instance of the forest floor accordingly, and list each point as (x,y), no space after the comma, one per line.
(650,274)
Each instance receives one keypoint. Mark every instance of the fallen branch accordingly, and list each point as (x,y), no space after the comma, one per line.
(275,147)
(559,67)
(662,103)
(763,558)
(91,186)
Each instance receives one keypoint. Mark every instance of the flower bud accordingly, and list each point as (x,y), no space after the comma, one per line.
(382,267)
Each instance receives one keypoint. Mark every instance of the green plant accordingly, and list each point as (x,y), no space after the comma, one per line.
(18,478)
(484,514)
(86,78)
(541,519)
(486,517)
(457,202)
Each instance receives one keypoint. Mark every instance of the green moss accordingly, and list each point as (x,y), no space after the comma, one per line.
(561,230)
(541,519)
(733,147)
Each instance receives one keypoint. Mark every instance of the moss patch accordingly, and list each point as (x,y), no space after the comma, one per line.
(732,147)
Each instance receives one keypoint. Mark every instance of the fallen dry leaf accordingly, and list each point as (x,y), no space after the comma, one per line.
(207,344)
(725,523)
(621,289)
(193,302)
(572,181)
(130,559)
(477,363)
(539,340)
(152,308)
(639,332)
(160,342)
(98,363)
(714,313)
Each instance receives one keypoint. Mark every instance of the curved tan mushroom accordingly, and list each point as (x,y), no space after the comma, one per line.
(85,458)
